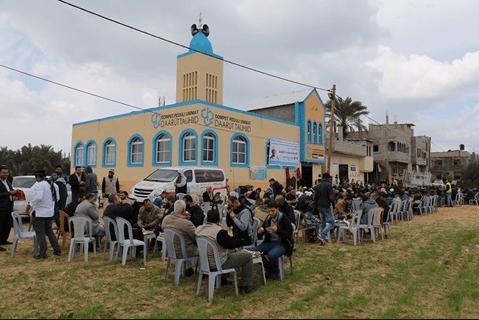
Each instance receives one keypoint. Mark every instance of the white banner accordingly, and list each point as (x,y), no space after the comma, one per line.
(283,152)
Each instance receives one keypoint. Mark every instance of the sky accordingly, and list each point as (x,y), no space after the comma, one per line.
(417,61)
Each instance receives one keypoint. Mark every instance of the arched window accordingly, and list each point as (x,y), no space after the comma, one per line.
(79,155)
(163,146)
(239,151)
(109,153)
(315,136)
(135,156)
(189,147)
(392,146)
(320,133)
(208,148)
(91,154)
(309,131)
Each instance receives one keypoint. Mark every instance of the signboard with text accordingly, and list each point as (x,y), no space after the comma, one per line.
(283,152)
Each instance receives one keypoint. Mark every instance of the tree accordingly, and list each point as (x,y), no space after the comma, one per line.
(471,172)
(28,159)
(347,114)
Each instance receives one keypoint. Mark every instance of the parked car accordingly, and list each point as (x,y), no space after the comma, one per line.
(438,183)
(26,184)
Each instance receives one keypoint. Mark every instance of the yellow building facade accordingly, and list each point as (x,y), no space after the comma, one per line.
(198,130)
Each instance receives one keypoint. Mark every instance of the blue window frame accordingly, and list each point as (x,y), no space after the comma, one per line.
(240,150)
(320,133)
(209,148)
(315,133)
(309,131)
(109,153)
(162,143)
(188,148)
(136,154)
(91,153)
(79,154)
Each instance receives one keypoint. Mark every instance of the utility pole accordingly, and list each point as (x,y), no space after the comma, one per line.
(331,128)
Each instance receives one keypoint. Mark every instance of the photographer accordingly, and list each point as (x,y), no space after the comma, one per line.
(181,184)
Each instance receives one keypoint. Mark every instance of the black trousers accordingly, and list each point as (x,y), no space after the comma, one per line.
(6,222)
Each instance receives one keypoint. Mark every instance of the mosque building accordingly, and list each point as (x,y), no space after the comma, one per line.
(280,137)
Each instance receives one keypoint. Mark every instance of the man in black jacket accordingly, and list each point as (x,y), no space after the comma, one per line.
(197,215)
(286,209)
(323,199)
(7,194)
(276,186)
(276,231)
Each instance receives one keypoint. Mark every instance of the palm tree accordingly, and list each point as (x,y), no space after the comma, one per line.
(347,114)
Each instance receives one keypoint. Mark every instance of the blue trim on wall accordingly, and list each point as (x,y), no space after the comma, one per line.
(186,103)
(180,155)
(309,131)
(104,153)
(75,154)
(247,151)
(153,157)
(314,135)
(320,134)
(128,160)
(89,142)
(215,149)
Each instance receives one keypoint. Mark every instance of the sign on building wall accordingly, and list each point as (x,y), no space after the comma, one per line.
(258,172)
(283,152)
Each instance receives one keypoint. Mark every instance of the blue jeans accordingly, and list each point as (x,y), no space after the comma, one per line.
(274,250)
(326,216)
(448,199)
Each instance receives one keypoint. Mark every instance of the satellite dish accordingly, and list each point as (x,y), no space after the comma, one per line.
(206,30)
(194,29)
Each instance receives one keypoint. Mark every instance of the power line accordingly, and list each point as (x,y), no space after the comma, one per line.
(187,47)
(79,90)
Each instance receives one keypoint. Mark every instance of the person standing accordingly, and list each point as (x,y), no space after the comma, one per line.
(323,199)
(91,182)
(110,187)
(448,191)
(43,205)
(181,185)
(7,194)
(77,183)
(62,201)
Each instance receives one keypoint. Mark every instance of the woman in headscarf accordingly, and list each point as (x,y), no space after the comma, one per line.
(180,184)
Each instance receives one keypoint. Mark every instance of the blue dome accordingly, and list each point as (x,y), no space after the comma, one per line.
(201,43)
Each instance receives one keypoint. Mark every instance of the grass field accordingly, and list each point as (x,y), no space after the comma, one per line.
(428,268)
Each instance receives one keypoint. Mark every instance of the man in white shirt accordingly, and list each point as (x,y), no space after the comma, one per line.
(43,204)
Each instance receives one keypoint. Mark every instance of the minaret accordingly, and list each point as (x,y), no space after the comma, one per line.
(387,117)
(199,72)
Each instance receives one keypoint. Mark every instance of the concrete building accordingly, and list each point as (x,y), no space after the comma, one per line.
(271,140)
(451,164)
(397,153)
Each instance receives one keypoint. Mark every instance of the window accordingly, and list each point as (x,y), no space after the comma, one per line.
(239,150)
(320,133)
(135,151)
(91,154)
(110,153)
(315,133)
(208,148)
(309,131)
(375,148)
(162,145)
(79,155)
(391,146)
(189,147)
(438,162)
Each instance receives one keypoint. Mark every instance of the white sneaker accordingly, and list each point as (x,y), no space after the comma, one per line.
(323,242)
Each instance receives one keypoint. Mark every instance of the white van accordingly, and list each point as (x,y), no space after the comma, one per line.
(198,178)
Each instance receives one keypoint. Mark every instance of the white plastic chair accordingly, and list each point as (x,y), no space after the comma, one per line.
(281,266)
(110,226)
(82,235)
(353,227)
(180,263)
(128,244)
(205,268)
(163,246)
(475,200)
(20,233)
(370,224)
